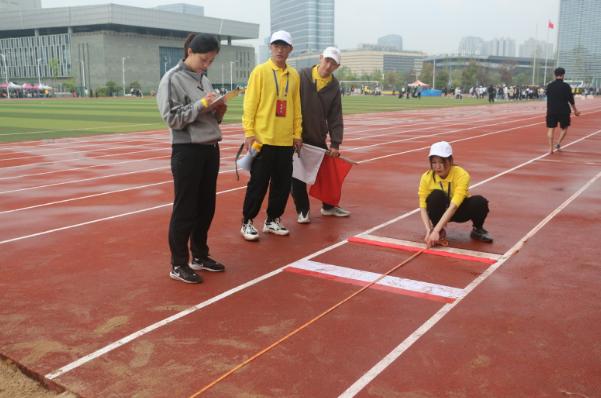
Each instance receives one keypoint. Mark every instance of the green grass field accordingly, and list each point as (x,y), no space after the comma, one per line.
(22,120)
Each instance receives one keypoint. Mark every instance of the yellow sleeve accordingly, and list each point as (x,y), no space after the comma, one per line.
(297,125)
(461,185)
(252,96)
(424,189)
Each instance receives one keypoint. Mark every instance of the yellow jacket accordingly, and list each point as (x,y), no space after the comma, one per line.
(455,185)
(259,119)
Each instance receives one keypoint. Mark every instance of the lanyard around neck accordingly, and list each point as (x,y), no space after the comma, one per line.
(277,86)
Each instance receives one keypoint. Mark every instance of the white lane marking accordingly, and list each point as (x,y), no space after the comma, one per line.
(379,367)
(464,252)
(125,340)
(393,282)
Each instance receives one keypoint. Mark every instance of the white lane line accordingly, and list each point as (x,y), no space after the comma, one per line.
(164,322)
(395,284)
(357,148)
(83,360)
(2,242)
(77,129)
(417,245)
(378,368)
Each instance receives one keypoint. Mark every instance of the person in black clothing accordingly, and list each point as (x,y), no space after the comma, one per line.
(189,107)
(491,94)
(559,100)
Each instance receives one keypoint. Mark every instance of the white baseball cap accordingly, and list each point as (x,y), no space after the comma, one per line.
(281,35)
(442,149)
(332,53)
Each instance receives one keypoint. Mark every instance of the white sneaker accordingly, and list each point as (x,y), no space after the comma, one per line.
(249,232)
(275,227)
(335,211)
(303,219)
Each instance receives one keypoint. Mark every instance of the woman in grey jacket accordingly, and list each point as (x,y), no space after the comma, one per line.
(188,105)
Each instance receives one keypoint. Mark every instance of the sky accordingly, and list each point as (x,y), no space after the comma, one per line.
(432,26)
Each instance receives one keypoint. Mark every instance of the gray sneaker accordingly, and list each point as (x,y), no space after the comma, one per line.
(335,211)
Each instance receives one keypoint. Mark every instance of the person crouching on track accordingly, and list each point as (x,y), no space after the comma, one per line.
(444,196)
(185,99)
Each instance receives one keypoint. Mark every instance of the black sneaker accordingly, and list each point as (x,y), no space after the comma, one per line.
(481,234)
(207,264)
(185,274)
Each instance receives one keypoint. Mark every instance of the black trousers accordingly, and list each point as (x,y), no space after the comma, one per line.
(271,168)
(195,168)
(301,198)
(474,208)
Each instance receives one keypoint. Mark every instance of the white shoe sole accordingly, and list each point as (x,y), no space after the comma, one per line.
(250,238)
(280,233)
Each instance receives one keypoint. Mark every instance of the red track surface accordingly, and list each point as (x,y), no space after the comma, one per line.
(84,264)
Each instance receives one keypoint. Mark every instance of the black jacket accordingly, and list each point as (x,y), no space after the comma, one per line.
(559,98)
(322,111)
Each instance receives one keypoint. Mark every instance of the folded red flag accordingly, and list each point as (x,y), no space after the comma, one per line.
(551,25)
(328,184)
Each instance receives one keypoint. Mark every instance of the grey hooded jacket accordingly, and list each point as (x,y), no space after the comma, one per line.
(178,98)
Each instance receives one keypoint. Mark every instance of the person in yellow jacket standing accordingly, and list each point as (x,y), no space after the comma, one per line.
(272,125)
(444,197)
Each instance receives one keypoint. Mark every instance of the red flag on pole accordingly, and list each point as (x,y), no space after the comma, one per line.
(328,184)
(551,25)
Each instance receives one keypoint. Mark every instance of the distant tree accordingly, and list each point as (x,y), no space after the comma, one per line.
(426,75)
(442,78)
(53,64)
(135,85)
(69,85)
(392,79)
(469,74)
(112,88)
(506,72)
(345,73)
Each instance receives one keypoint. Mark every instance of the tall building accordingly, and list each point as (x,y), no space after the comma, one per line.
(538,48)
(391,42)
(471,45)
(500,47)
(579,44)
(310,22)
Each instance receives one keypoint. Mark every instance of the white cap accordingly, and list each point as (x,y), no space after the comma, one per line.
(281,35)
(442,149)
(333,53)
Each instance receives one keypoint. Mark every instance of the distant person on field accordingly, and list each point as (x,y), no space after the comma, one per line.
(322,117)
(185,99)
(444,197)
(559,100)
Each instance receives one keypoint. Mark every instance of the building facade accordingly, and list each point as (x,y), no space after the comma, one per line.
(391,42)
(536,48)
(310,22)
(94,45)
(579,40)
(500,47)
(471,45)
(369,61)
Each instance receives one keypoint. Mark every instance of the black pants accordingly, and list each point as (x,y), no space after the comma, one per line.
(301,198)
(272,168)
(194,168)
(474,208)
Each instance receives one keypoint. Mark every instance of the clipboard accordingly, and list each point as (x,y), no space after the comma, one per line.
(225,97)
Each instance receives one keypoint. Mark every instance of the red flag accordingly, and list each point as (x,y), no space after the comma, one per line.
(328,184)
(551,25)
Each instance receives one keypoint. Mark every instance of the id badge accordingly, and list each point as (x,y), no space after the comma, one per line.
(280,108)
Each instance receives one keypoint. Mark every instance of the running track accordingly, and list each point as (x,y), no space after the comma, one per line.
(87,303)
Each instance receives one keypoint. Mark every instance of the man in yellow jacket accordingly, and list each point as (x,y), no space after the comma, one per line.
(272,126)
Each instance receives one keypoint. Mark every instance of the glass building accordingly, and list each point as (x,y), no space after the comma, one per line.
(579,42)
(310,22)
